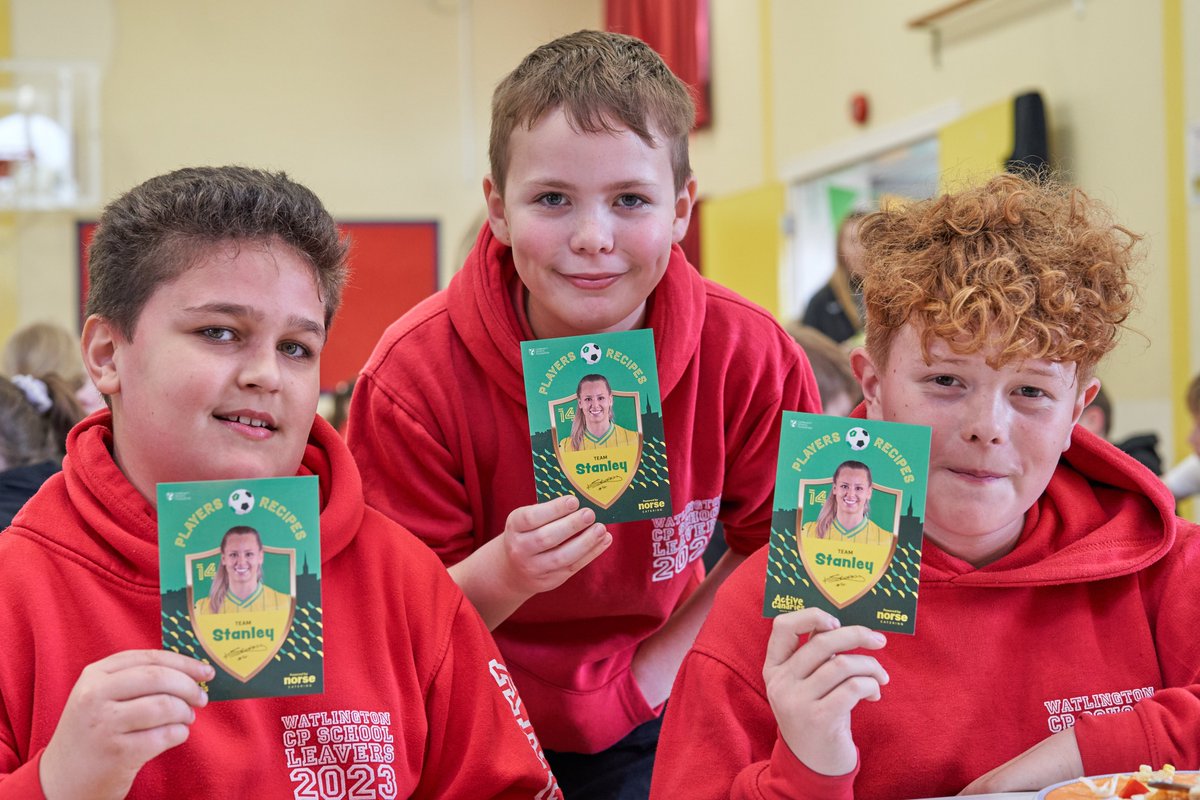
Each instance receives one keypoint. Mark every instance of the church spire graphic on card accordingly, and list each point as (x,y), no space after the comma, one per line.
(595,423)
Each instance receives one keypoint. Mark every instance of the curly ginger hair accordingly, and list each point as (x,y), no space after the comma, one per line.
(1021,268)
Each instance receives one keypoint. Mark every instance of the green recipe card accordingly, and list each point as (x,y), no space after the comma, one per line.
(240,579)
(848,519)
(595,423)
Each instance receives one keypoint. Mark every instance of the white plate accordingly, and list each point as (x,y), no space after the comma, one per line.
(1094,779)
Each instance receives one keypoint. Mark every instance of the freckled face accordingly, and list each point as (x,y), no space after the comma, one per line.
(997,434)
(221,377)
(591,218)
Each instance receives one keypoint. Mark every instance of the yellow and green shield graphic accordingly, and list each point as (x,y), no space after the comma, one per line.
(843,569)
(601,467)
(243,637)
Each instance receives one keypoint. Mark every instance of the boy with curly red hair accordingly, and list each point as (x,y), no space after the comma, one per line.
(1055,636)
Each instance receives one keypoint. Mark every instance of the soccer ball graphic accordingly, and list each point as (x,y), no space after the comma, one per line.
(241,501)
(858,438)
(590,352)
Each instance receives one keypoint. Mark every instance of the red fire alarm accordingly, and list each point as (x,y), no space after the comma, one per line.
(860,109)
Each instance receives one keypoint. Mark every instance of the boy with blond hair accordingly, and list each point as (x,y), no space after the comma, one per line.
(590,190)
(212,291)
(1056,627)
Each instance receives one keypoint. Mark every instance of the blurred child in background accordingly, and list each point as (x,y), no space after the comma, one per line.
(1183,479)
(43,348)
(1098,418)
(836,383)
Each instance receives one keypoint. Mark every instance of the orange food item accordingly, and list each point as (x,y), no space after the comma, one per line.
(1132,786)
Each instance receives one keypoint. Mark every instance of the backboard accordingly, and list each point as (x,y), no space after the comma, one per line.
(49,135)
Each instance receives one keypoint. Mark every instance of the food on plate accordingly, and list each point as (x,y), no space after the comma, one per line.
(1145,784)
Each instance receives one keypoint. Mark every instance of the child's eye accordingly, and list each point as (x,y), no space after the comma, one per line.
(294,350)
(944,380)
(218,334)
(1031,391)
(553,199)
(630,201)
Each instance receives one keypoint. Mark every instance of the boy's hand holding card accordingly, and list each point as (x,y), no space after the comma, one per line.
(848,520)
(240,565)
(595,423)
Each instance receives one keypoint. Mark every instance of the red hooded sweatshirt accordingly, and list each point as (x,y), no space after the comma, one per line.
(1089,621)
(439,426)
(416,701)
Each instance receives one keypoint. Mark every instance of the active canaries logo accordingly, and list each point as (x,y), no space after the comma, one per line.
(599,460)
(844,553)
(240,633)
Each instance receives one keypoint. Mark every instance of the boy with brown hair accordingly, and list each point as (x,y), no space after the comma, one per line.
(590,190)
(1055,635)
(211,295)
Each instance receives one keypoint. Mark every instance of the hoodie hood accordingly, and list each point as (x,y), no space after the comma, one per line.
(120,527)
(486,302)
(1102,515)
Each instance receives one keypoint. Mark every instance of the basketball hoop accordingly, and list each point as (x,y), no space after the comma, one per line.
(49,136)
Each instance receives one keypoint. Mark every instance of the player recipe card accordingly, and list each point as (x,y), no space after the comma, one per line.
(240,579)
(595,423)
(848,519)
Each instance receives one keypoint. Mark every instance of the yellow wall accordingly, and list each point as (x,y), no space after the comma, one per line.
(357,99)
(1181,99)
(740,240)
(975,147)
(729,157)
(1101,73)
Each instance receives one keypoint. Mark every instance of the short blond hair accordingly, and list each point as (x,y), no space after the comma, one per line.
(1032,268)
(599,79)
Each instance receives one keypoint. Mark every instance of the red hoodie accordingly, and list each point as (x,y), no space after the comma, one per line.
(1089,621)
(416,702)
(439,426)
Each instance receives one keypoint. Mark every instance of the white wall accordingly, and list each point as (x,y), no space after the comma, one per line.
(357,99)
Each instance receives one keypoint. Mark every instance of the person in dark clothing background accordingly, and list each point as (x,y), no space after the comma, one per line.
(1098,417)
(836,309)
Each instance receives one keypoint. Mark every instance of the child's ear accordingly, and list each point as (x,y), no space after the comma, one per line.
(685,201)
(1086,395)
(495,208)
(99,344)
(868,377)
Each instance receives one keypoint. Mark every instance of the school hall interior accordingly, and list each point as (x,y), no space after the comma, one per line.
(382,108)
